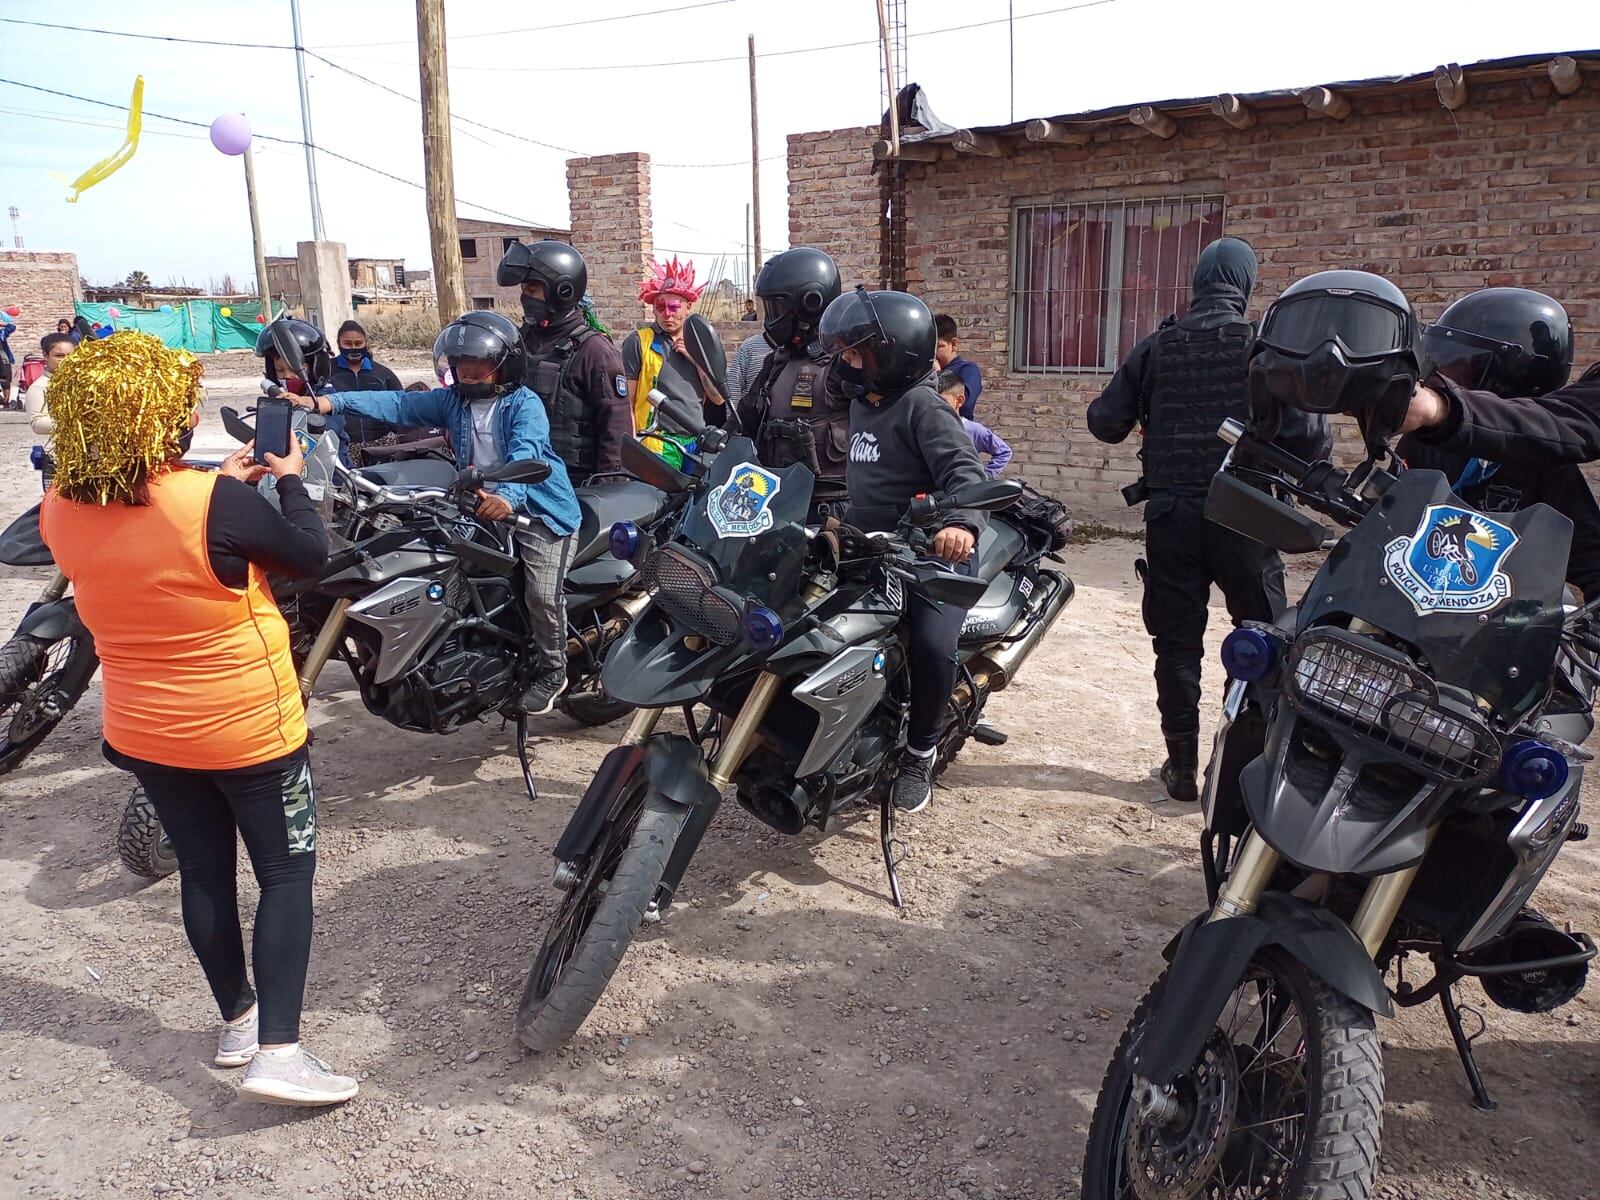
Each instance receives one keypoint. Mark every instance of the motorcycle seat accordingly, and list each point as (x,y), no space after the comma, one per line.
(412,472)
(997,546)
(602,505)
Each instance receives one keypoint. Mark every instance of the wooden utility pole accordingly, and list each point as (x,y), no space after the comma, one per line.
(262,286)
(439,162)
(755,163)
(890,82)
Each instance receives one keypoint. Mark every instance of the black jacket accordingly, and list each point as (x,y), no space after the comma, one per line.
(1562,426)
(1518,485)
(904,446)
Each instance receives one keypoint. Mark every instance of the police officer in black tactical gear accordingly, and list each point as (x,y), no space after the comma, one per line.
(793,394)
(1510,342)
(1179,385)
(572,364)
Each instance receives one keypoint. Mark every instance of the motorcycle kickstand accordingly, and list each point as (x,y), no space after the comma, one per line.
(893,848)
(1452,1017)
(522,758)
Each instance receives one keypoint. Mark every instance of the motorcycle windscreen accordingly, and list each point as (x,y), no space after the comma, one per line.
(1478,595)
(750,521)
(22,545)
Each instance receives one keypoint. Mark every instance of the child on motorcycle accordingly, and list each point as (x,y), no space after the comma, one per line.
(904,441)
(493,419)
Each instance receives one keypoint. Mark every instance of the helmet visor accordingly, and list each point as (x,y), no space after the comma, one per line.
(1465,358)
(851,321)
(1364,327)
(515,267)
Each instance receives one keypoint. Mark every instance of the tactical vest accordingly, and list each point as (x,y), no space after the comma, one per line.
(1199,381)
(796,390)
(572,423)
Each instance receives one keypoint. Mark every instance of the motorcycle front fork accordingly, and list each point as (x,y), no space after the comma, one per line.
(54,590)
(735,748)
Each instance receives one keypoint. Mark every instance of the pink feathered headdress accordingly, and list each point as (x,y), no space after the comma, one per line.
(673,279)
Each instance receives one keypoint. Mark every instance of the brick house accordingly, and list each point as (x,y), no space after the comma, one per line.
(1058,243)
(45,285)
(483,244)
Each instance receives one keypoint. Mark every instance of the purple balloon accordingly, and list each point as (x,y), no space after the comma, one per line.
(230,133)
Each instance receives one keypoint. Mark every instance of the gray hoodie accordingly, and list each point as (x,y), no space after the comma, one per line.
(906,445)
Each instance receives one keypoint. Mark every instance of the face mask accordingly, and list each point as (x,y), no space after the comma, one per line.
(852,381)
(354,357)
(536,311)
(185,440)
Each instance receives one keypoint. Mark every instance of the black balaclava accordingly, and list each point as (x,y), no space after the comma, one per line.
(1224,276)
(546,329)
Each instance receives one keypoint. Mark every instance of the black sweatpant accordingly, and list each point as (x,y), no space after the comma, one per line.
(934,630)
(1187,554)
(273,808)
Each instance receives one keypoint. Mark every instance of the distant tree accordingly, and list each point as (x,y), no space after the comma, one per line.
(137,281)
(229,288)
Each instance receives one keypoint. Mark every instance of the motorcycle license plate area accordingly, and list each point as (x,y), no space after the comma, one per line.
(1479,596)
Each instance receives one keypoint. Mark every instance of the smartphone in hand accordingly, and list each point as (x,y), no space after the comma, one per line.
(273,428)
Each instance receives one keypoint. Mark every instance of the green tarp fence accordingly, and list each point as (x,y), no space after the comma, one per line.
(194,325)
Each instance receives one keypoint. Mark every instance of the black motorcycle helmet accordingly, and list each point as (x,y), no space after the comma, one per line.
(1337,342)
(1509,341)
(485,335)
(795,287)
(893,332)
(299,349)
(556,265)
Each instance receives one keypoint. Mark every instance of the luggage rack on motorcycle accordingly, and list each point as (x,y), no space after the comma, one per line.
(1383,698)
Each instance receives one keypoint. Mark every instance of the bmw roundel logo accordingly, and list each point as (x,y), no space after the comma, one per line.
(878,661)
(436,591)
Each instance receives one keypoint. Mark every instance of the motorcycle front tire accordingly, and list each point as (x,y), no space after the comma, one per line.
(25,662)
(142,844)
(1344,1072)
(566,980)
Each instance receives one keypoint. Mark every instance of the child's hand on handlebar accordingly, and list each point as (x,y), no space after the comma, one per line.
(953,544)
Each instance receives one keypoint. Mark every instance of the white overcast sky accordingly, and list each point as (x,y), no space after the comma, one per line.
(177,210)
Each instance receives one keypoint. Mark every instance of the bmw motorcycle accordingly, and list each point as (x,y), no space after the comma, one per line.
(784,648)
(1397,768)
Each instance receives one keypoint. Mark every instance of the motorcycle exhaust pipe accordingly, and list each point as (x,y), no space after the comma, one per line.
(624,613)
(996,668)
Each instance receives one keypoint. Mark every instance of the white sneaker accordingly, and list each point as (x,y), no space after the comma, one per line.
(237,1042)
(298,1078)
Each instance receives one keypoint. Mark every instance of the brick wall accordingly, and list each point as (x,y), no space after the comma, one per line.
(834,200)
(44,285)
(1505,191)
(609,198)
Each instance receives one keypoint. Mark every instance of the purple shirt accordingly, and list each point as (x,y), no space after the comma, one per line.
(987,441)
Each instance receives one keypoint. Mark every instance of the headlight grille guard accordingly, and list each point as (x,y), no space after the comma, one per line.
(1350,683)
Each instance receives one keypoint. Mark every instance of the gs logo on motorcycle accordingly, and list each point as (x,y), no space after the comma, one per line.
(1452,562)
(742,506)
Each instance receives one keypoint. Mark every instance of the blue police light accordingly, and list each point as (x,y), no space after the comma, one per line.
(1248,654)
(1534,770)
(761,628)
(624,539)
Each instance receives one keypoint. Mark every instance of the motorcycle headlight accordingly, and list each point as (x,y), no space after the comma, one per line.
(1346,683)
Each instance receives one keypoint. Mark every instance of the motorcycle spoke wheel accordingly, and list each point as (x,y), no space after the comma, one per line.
(1294,1070)
(40,682)
(598,917)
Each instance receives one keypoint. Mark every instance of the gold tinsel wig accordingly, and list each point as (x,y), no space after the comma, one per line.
(120,405)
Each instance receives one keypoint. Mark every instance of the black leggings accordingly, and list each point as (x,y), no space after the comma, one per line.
(272,806)
(934,631)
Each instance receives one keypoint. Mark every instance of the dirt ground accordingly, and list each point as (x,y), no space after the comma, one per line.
(785,1032)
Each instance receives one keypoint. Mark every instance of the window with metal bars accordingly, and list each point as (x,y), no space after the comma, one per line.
(1090,278)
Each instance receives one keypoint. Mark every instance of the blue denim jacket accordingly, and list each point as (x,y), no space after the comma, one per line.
(521,432)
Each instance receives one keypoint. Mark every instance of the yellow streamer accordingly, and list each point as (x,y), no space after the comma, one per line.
(130,143)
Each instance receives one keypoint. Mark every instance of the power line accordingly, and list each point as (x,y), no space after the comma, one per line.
(652,12)
(739,58)
(354,162)
(148,37)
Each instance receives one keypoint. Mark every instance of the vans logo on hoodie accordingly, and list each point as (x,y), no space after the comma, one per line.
(864,448)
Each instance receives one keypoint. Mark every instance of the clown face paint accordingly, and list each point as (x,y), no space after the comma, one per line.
(671,312)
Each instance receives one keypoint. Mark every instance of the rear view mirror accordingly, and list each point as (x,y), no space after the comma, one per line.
(1249,511)
(527,470)
(238,428)
(704,348)
(988,495)
(646,466)
(680,411)
(22,545)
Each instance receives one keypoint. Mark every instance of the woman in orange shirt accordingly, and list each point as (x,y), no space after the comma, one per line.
(169,567)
